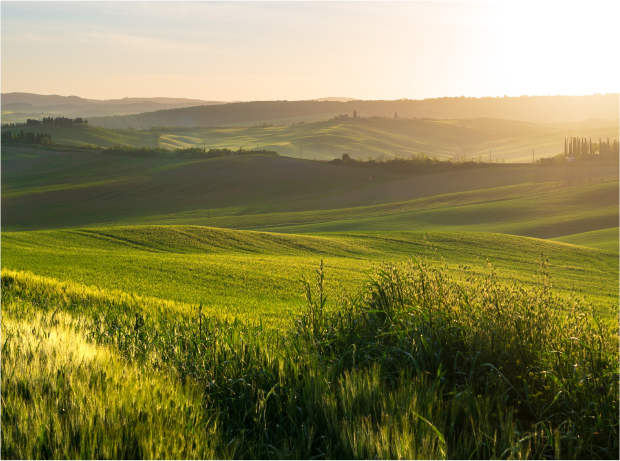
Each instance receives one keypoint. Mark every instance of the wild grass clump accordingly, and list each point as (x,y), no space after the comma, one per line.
(547,357)
(417,365)
(64,397)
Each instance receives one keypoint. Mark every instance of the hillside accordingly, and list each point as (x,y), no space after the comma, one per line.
(510,140)
(17,107)
(43,189)
(539,109)
(77,135)
(604,239)
(252,273)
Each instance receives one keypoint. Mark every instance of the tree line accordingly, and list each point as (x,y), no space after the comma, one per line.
(583,149)
(415,163)
(62,121)
(47,121)
(44,139)
(192,152)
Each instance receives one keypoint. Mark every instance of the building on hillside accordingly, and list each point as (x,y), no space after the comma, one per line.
(32,122)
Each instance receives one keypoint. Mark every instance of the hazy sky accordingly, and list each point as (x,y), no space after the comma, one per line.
(303,50)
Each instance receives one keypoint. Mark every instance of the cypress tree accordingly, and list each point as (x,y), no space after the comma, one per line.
(565,141)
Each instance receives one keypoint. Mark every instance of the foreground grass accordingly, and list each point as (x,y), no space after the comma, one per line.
(65,397)
(417,365)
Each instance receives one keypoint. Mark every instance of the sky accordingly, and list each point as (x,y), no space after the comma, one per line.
(243,51)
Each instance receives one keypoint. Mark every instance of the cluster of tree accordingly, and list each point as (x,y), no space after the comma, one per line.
(609,149)
(359,117)
(192,152)
(30,137)
(582,149)
(196,152)
(62,121)
(415,163)
(47,121)
(575,147)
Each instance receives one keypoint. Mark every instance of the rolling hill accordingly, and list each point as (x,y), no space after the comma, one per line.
(510,140)
(604,239)
(251,274)
(43,189)
(545,109)
(158,328)
(17,107)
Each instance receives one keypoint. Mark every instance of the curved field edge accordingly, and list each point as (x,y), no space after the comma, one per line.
(535,210)
(604,239)
(255,274)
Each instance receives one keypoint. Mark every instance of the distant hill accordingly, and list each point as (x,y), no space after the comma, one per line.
(16,107)
(538,109)
(511,141)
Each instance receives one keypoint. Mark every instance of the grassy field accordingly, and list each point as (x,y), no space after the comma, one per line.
(428,361)
(43,189)
(252,274)
(510,140)
(605,239)
(461,314)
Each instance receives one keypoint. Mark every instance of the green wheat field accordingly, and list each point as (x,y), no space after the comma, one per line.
(254,306)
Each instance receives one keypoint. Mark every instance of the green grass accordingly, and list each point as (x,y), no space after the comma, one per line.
(544,216)
(604,239)
(250,274)
(418,365)
(185,341)
(75,189)
(69,398)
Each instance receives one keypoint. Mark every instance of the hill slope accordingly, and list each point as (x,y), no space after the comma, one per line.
(240,272)
(510,140)
(54,189)
(604,239)
(17,107)
(546,109)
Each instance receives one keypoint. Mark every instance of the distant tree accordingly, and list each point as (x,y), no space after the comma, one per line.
(354,114)
(346,157)
(395,115)
(565,147)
